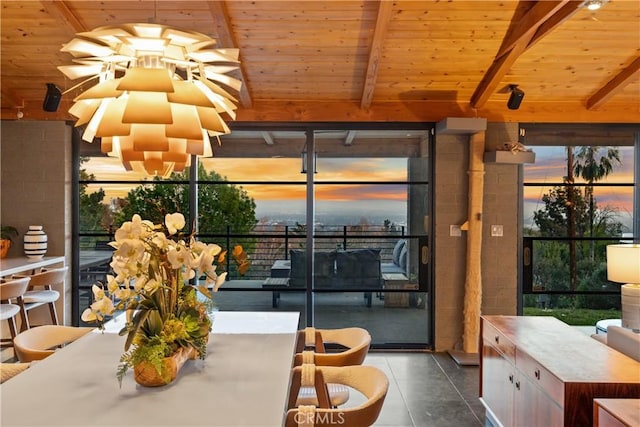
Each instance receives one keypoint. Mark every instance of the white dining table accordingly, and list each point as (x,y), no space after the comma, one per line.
(243,381)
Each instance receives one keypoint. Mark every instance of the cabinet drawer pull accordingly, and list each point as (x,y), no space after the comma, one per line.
(511,378)
(497,338)
(536,373)
(518,385)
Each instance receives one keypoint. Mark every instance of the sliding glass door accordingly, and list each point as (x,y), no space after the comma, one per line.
(335,222)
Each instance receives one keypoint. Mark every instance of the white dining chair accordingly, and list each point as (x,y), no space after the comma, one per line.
(12,304)
(41,291)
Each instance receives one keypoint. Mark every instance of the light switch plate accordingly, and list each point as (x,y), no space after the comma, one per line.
(454,231)
(497,231)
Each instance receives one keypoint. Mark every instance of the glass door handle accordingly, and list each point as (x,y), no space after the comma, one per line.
(424,255)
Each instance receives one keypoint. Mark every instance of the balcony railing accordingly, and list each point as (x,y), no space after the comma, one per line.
(269,243)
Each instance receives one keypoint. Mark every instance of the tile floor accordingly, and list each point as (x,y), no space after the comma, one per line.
(428,390)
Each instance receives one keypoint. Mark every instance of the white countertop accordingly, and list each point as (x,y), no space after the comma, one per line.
(23,264)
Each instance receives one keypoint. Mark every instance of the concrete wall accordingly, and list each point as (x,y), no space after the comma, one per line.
(499,254)
(36,188)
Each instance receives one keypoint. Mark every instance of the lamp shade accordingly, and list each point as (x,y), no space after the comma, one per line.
(623,263)
(158,94)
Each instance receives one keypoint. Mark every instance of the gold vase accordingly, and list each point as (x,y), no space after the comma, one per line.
(147,375)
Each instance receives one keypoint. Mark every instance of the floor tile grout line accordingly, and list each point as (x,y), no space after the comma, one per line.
(458,391)
(404,400)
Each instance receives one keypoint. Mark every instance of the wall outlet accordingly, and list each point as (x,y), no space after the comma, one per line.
(497,231)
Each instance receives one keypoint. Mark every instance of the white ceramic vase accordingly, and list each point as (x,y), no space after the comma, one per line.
(35,242)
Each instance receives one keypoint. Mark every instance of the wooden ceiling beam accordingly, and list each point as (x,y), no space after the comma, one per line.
(495,73)
(518,39)
(379,35)
(614,85)
(225,38)
(551,111)
(526,27)
(61,11)
(558,18)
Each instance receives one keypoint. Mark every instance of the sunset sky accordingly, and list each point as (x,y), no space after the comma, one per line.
(281,199)
(549,168)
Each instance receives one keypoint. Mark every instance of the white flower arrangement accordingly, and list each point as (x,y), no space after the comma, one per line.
(153,265)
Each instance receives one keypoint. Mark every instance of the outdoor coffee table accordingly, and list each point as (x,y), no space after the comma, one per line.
(275,283)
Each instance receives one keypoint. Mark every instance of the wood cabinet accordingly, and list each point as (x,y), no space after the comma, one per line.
(616,413)
(539,371)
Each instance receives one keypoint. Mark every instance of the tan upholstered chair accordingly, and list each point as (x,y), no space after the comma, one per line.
(311,348)
(40,342)
(354,343)
(12,304)
(10,370)
(41,292)
(368,380)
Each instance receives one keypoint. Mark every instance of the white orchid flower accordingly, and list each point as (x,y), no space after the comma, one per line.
(129,229)
(88,316)
(213,249)
(197,246)
(198,261)
(130,249)
(140,283)
(112,285)
(160,240)
(123,294)
(219,281)
(174,222)
(103,307)
(98,292)
(177,257)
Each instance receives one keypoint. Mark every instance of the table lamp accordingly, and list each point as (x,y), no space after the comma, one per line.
(623,266)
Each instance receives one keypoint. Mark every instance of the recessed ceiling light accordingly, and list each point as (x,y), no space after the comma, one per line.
(593,4)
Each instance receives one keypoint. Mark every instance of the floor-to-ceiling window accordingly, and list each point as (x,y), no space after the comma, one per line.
(367,199)
(578,197)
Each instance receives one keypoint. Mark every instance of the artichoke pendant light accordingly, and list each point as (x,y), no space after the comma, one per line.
(160,93)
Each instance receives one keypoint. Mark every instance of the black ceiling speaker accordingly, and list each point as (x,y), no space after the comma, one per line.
(515,98)
(52,98)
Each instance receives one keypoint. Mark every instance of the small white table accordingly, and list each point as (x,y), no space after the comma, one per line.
(244,381)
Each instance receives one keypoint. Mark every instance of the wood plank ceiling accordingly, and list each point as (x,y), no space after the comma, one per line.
(404,61)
